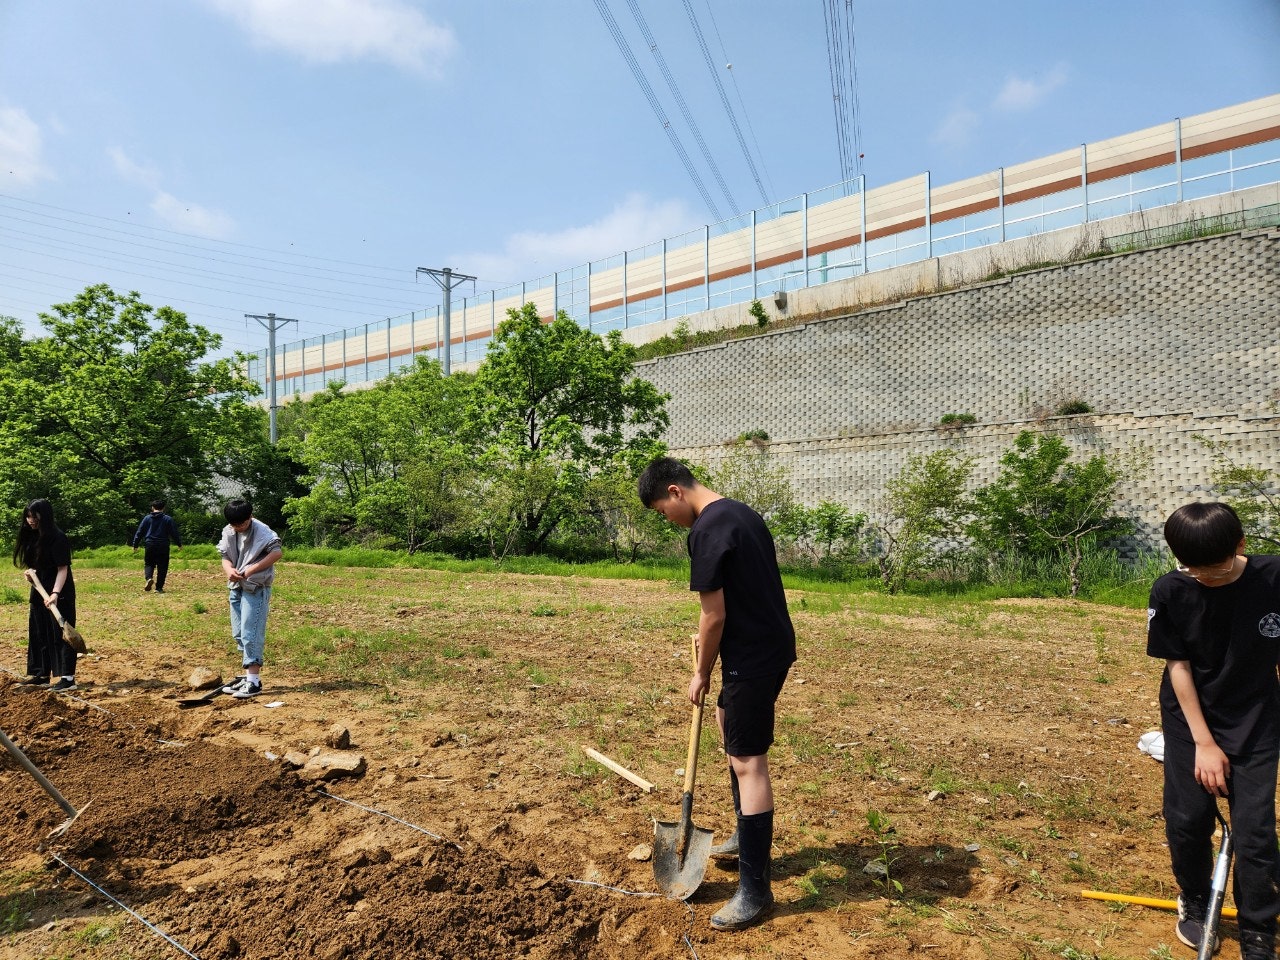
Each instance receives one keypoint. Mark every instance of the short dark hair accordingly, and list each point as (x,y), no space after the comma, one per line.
(237,511)
(157,504)
(1200,534)
(660,474)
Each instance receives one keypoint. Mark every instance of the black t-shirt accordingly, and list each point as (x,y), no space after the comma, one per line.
(1231,636)
(730,548)
(52,552)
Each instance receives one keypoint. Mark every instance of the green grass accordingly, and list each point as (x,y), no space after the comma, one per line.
(1107,579)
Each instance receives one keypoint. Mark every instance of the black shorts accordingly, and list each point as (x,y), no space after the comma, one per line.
(748,714)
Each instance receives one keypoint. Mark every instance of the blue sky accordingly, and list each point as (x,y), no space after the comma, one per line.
(303,157)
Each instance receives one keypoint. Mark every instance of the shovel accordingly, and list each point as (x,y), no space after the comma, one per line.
(49,788)
(681,850)
(69,633)
(1217,893)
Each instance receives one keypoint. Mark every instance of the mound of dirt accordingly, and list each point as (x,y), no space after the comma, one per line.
(233,856)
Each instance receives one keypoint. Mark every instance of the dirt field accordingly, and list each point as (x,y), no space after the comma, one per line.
(996,742)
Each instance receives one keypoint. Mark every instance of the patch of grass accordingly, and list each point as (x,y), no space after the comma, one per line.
(97,932)
(823,886)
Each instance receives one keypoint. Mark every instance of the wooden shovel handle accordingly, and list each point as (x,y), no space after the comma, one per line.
(695,730)
(35,582)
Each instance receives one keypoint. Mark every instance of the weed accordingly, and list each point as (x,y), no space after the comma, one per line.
(881,831)
(15,911)
(97,932)
(199,607)
(942,779)
(543,611)
(13,596)
(823,885)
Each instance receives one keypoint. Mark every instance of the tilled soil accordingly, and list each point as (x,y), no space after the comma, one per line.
(997,751)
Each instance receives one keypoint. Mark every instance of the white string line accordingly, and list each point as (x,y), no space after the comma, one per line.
(133,913)
(383,813)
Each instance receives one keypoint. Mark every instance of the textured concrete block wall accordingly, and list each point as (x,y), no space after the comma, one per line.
(1163,344)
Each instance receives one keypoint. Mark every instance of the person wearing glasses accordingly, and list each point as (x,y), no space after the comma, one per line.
(1215,620)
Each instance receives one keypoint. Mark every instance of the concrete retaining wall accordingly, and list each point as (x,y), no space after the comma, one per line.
(1163,344)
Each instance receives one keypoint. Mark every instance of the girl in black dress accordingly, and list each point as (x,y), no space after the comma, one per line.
(42,547)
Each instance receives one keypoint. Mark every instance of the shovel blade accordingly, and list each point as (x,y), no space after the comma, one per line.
(678,877)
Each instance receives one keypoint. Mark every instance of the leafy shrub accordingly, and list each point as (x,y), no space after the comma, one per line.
(1072,408)
(757,310)
(956,419)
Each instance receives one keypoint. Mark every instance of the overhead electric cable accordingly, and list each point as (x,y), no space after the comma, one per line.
(176,233)
(742,104)
(679,98)
(199,286)
(95,232)
(724,99)
(197,271)
(625,49)
(841,64)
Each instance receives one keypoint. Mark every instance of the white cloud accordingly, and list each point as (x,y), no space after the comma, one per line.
(531,255)
(1024,94)
(175,214)
(133,171)
(334,31)
(957,128)
(21,146)
(191,217)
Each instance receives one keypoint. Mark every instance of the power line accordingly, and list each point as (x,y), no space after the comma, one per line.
(625,49)
(742,104)
(222,243)
(724,99)
(842,66)
(679,98)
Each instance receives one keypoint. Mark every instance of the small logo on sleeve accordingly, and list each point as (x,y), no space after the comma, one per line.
(1151,615)
(1269,626)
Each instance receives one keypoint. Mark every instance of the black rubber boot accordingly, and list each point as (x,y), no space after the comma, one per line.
(754,897)
(729,849)
(1258,943)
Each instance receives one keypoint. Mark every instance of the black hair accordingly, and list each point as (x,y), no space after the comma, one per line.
(28,547)
(1202,534)
(237,511)
(661,473)
(157,504)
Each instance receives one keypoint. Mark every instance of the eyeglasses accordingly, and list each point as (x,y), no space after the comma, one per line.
(1216,572)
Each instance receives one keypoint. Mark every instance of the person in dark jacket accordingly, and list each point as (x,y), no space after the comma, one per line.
(155,532)
(42,547)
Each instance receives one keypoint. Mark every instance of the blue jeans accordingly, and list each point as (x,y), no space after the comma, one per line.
(249,623)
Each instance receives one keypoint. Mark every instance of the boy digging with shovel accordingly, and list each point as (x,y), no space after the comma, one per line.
(744,622)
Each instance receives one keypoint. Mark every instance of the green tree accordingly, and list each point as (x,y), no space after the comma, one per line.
(383,465)
(751,474)
(117,405)
(821,533)
(1041,503)
(922,514)
(1253,492)
(551,407)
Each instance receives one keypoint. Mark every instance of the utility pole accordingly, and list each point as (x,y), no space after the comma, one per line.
(447,280)
(271,322)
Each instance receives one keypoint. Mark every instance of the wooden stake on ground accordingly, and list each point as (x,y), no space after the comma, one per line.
(620,770)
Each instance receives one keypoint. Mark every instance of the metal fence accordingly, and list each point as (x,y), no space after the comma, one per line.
(832,234)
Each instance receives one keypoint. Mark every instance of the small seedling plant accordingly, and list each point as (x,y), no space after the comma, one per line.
(882,833)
